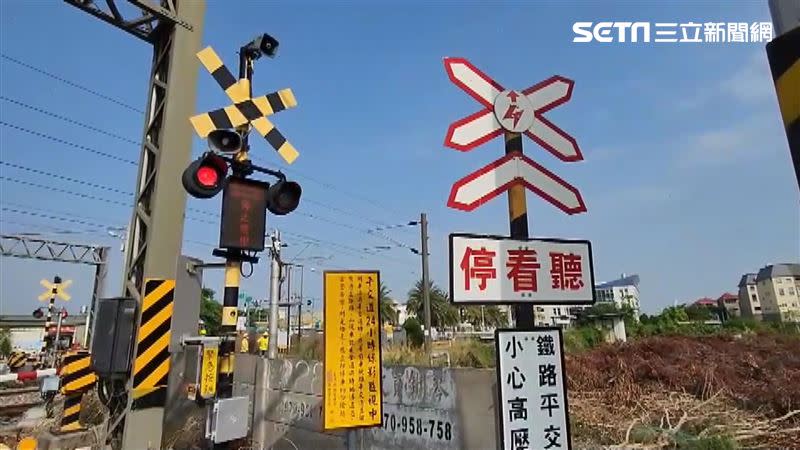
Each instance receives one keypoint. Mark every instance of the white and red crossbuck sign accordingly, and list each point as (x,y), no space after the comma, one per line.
(492,269)
(518,112)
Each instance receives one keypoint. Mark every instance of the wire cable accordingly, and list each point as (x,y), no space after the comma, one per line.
(71,144)
(62,177)
(70,83)
(68,120)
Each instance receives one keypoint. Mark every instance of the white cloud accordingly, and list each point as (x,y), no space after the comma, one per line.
(751,138)
(750,83)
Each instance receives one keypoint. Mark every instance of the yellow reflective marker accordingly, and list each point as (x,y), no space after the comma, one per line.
(27,443)
(208,379)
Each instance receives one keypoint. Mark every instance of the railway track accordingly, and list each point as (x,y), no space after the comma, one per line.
(16,391)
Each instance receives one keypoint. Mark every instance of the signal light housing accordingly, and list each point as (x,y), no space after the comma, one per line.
(38,313)
(205,177)
(283,197)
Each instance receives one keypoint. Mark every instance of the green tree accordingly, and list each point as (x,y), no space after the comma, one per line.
(443,314)
(5,343)
(414,335)
(210,311)
(697,313)
(388,313)
(490,317)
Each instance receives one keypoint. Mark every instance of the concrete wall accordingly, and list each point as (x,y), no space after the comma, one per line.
(449,408)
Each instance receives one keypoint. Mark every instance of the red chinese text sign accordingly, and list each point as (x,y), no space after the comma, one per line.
(493,269)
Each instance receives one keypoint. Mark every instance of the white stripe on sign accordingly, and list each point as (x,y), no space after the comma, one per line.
(470,77)
(549,93)
(478,128)
(544,182)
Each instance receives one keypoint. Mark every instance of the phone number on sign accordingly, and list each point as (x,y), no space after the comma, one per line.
(436,429)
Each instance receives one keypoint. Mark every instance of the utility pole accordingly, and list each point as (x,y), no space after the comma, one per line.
(174,29)
(426,290)
(300,307)
(783,53)
(288,306)
(274,293)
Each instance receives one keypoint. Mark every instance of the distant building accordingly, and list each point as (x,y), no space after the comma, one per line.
(748,297)
(623,291)
(705,302)
(731,304)
(778,288)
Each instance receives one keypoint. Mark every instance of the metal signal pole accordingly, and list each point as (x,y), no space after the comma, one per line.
(274,293)
(426,290)
(518,224)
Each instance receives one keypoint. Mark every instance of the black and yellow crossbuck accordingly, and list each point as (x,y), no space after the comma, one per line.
(244,108)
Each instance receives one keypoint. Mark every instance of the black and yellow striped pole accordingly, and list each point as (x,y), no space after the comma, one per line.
(77,378)
(17,359)
(230,315)
(518,223)
(783,53)
(50,307)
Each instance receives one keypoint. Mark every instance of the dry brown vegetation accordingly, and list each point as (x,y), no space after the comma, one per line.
(656,392)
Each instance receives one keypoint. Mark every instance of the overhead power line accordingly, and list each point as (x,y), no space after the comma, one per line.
(63,217)
(68,120)
(65,178)
(71,144)
(70,83)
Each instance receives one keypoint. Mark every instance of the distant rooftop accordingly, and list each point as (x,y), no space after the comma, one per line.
(705,301)
(728,298)
(748,278)
(630,280)
(778,270)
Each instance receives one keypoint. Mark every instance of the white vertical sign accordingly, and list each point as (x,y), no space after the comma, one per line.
(532,389)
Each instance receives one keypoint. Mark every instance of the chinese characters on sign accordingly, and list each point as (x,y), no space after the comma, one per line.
(352,350)
(487,269)
(530,369)
(244,211)
(208,380)
(672,32)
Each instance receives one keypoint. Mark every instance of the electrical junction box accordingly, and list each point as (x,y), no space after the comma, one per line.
(228,419)
(112,340)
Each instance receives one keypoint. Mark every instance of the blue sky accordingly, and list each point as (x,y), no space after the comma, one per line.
(687,176)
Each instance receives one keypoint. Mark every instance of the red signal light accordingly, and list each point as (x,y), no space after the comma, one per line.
(205,177)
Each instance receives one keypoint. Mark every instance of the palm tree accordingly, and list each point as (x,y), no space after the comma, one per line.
(443,314)
(388,313)
(488,316)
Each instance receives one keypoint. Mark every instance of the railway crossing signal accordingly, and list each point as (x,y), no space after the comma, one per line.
(244,109)
(498,177)
(514,112)
(205,177)
(57,289)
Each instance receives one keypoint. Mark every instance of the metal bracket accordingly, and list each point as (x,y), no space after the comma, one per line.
(210,341)
(192,268)
(161,12)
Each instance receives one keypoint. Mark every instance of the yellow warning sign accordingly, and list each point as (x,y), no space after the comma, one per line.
(208,378)
(352,350)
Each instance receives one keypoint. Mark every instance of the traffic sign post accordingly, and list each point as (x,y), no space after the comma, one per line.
(492,270)
(512,113)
